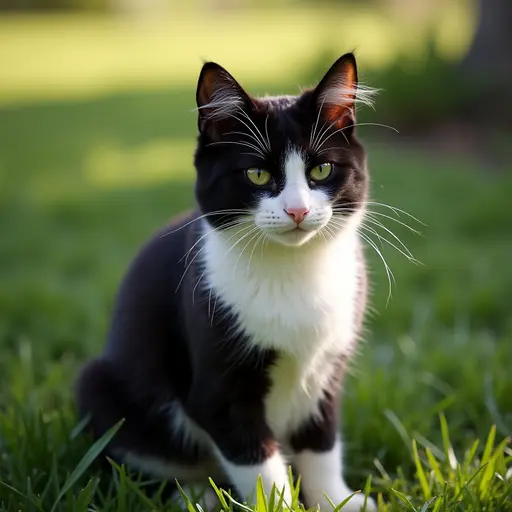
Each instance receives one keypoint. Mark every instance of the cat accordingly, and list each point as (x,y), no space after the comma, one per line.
(234,325)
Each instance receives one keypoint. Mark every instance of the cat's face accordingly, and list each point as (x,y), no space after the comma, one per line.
(290,167)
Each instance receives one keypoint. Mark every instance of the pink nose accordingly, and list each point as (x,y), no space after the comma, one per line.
(297,214)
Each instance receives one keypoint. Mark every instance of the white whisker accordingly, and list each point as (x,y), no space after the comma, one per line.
(261,237)
(193,259)
(266,131)
(224,226)
(389,273)
(238,143)
(405,253)
(203,216)
(312,135)
(254,235)
(377,223)
(325,139)
(255,127)
(322,139)
(259,140)
(393,208)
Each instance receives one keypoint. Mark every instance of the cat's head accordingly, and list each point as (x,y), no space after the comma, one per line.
(289,166)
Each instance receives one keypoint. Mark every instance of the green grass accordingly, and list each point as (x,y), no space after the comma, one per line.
(72,220)
(83,183)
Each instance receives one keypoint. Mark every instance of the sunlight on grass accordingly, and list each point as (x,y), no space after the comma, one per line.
(77,56)
(111,165)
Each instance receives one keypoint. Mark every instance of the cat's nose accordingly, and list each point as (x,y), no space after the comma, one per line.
(297,214)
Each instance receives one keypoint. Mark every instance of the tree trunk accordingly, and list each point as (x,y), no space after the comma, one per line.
(487,67)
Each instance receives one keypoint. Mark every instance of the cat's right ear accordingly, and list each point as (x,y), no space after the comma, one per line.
(219,97)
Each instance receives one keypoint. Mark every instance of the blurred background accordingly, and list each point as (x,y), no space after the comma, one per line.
(96,140)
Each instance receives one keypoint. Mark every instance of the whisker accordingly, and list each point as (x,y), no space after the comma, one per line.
(330,149)
(245,247)
(258,139)
(194,258)
(224,226)
(266,131)
(216,212)
(324,132)
(375,124)
(369,241)
(339,130)
(259,155)
(393,208)
(255,127)
(261,147)
(371,213)
(394,219)
(389,273)
(377,223)
(312,135)
(260,238)
(250,136)
(238,143)
(407,254)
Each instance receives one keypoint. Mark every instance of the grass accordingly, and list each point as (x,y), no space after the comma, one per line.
(85,181)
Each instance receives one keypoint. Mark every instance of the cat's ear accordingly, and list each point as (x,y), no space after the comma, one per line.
(219,96)
(337,92)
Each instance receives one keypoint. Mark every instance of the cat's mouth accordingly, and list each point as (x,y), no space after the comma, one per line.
(295,236)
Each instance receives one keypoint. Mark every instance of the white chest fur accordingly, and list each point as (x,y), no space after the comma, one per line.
(299,301)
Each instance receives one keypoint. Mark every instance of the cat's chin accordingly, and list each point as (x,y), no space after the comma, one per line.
(293,238)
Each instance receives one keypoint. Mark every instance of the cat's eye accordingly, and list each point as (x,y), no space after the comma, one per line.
(320,172)
(258,177)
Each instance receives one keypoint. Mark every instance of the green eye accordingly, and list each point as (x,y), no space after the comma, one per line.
(258,177)
(320,172)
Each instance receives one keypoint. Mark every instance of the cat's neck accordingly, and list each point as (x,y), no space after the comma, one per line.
(266,256)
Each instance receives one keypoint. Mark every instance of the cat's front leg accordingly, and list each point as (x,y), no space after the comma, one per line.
(317,454)
(244,474)
(245,448)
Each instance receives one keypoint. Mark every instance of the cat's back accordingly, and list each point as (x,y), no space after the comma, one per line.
(147,307)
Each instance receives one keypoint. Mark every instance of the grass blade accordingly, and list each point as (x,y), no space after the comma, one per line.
(404,499)
(420,472)
(19,493)
(87,460)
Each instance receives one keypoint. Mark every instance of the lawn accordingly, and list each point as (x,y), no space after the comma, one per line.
(85,181)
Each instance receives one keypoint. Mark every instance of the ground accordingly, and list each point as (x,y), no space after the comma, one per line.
(85,181)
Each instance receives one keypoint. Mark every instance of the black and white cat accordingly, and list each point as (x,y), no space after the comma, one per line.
(234,325)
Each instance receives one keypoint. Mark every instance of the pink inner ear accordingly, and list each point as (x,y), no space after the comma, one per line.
(339,115)
(339,102)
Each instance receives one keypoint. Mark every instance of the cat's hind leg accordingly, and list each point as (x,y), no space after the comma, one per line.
(150,440)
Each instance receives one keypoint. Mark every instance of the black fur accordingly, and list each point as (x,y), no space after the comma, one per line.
(163,346)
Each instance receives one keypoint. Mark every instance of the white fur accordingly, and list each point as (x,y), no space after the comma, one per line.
(341,93)
(321,475)
(271,216)
(224,102)
(272,471)
(300,301)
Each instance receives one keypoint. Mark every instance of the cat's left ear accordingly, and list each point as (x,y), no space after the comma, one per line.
(336,94)
(219,96)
